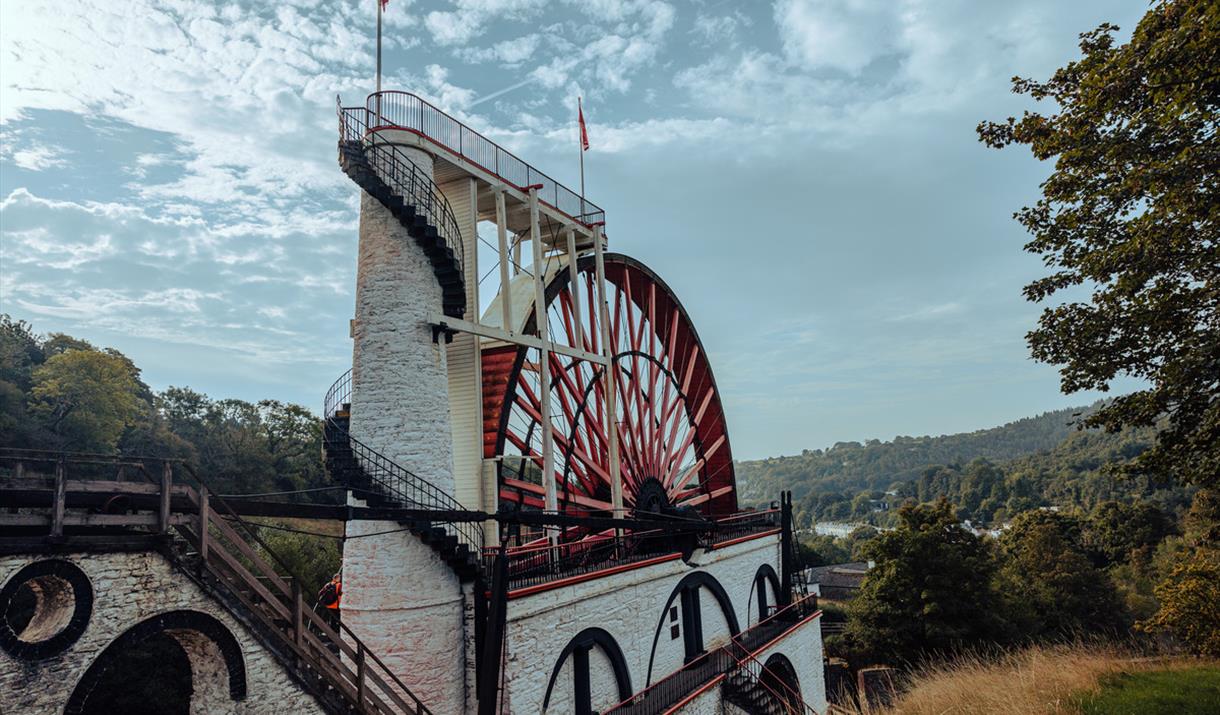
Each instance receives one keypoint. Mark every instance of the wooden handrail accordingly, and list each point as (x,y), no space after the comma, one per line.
(226,547)
(371,686)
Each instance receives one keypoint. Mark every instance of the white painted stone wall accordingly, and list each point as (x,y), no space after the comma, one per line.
(803,647)
(399,597)
(128,589)
(629,606)
(407,606)
(400,395)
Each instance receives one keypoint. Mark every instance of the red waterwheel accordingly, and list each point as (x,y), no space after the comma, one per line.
(673,443)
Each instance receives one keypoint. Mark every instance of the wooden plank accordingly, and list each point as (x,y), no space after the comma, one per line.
(240,544)
(247,579)
(93,486)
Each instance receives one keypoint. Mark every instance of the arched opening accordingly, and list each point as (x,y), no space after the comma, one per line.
(589,676)
(779,676)
(146,678)
(45,608)
(764,595)
(697,614)
(186,657)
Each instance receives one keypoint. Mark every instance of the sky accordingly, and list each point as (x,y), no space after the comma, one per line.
(804,174)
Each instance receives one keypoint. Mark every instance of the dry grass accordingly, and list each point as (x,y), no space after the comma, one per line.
(1034,681)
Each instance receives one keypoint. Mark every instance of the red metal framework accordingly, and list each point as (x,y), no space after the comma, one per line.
(672,433)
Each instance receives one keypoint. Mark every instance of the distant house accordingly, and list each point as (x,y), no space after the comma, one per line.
(838,582)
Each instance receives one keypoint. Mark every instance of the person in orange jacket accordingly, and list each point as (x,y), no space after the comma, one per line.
(330,598)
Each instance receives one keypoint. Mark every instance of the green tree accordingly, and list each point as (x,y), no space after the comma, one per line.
(1190,603)
(85,399)
(1050,588)
(930,591)
(1115,530)
(1129,216)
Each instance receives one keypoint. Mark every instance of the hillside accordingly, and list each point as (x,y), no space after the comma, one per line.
(877,465)
(990,475)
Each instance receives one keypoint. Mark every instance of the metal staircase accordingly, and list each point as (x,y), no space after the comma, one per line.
(749,688)
(387,174)
(381,482)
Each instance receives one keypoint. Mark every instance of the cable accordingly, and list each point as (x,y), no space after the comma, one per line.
(277,494)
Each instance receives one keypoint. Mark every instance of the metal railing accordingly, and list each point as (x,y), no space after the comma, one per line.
(702,672)
(228,548)
(392,165)
(393,481)
(534,566)
(752,673)
(392,109)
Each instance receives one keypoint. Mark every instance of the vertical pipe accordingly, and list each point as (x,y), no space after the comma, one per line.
(380,6)
(506,303)
(544,357)
(616,477)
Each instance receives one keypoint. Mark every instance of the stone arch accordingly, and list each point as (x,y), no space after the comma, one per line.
(687,589)
(779,675)
(759,605)
(579,648)
(217,666)
(62,598)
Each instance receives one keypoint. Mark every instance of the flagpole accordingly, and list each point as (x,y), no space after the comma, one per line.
(380,5)
(580,147)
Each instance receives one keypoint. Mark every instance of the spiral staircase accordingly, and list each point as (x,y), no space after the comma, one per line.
(387,174)
(380,482)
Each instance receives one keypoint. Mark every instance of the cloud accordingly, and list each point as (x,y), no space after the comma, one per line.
(509,52)
(38,157)
(469,18)
(713,30)
(842,34)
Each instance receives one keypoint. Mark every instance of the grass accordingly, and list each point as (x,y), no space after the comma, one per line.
(1059,680)
(1189,691)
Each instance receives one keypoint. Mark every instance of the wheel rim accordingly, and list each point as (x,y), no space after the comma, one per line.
(672,428)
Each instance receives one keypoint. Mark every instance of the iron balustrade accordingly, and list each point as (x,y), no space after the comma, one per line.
(535,566)
(701,672)
(338,396)
(750,672)
(392,109)
(391,480)
(403,178)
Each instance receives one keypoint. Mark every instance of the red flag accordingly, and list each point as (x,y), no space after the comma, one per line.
(584,132)
(384,3)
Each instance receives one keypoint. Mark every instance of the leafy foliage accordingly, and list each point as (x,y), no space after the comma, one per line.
(60,392)
(1190,603)
(1129,217)
(931,590)
(1049,586)
(852,467)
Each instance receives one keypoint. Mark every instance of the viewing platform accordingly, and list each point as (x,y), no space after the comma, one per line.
(405,119)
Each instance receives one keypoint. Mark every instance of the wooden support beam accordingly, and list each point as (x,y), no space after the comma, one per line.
(444,321)
(616,474)
(204,518)
(166,482)
(61,493)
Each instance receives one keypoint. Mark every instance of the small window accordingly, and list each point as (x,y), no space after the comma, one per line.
(673,614)
(674,632)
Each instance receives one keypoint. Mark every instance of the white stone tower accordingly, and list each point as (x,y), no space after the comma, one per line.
(399,595)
